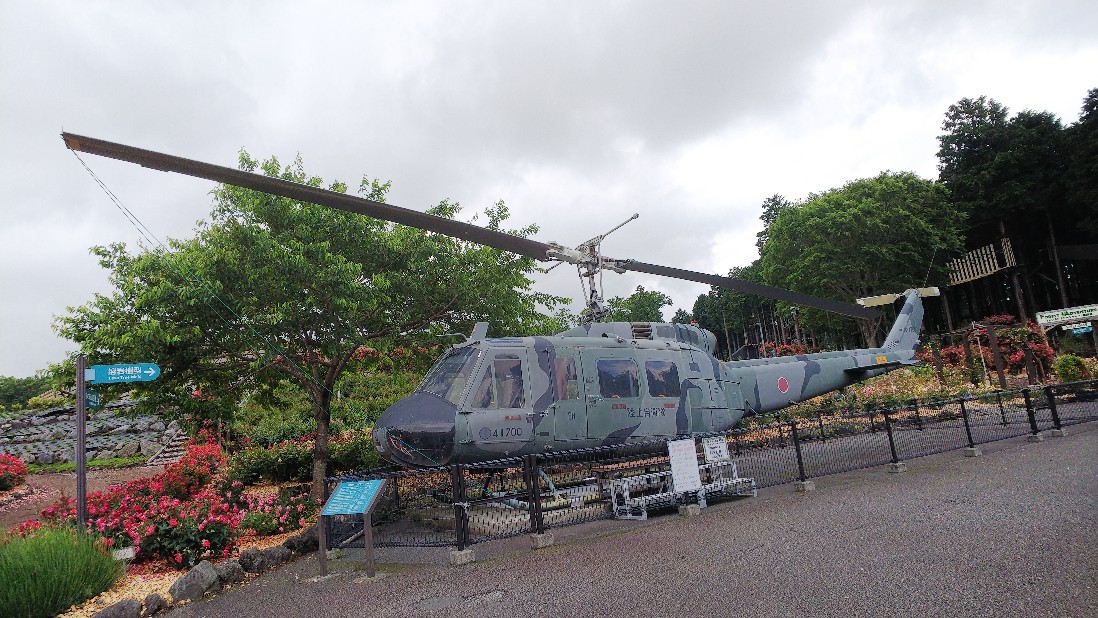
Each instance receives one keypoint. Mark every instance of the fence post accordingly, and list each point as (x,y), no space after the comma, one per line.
(461,517)
(914,403)
(1002,411)
(820,420)
(797,447)
(896,465)
(1057,428)
(970,450)
(802,483)
(736,441)
(1035,433)
(533,489)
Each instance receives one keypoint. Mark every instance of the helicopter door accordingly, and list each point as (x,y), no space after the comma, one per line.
(569,407)
(500,406)
(612,385)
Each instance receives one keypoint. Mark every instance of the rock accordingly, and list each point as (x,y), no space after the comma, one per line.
(57,434)
(303,543)
(253,561)
(28,458)
(153,604)
(44,458)
(18,424)
(60,457)
(91,455)
(173,426)
(126,608)
(127,450)
(276,555)
(197,582)
(229,572)
(158,427)
(121,429)
(149,448)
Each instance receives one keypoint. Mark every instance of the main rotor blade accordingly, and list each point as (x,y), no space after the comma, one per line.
(305,193)
(758,289)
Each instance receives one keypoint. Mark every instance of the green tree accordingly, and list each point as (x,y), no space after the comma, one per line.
(872,236)
(771,208)
(16,391)
(641,306)
(682,316)
(271,289)
(1082,175)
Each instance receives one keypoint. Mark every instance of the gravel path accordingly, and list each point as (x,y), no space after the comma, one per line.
(1012,533)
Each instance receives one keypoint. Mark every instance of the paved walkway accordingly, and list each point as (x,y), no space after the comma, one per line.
(1012,533)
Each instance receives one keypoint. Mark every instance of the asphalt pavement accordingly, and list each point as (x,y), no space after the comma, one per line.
(1011,533)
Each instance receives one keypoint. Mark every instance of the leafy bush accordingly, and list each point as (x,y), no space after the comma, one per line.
(13,472)
(1071,368)
(292,460)
(351,452)
(51,569)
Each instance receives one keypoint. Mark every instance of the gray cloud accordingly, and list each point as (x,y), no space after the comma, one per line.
(576,114)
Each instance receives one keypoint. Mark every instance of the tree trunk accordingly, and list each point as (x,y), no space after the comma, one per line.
(322,411)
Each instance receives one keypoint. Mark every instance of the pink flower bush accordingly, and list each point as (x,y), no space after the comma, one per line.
(13,472)
(175,515)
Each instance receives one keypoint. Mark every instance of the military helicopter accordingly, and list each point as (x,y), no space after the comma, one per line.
(595,384)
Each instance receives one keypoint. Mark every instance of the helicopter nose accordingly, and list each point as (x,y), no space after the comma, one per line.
(417,431)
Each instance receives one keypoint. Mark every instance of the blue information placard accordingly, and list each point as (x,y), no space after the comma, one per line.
(352,497)
(130,372)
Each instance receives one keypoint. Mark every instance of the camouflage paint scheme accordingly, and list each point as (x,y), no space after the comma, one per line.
(550,410)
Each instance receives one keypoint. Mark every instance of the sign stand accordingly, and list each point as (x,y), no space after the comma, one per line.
(81,445)
(352,498)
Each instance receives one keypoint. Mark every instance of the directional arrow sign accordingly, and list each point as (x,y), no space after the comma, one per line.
(129,372)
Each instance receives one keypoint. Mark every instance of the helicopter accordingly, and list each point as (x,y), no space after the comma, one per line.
(599,383)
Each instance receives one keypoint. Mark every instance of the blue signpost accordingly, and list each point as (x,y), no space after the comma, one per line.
(351,498)
(128,372)
(98,374)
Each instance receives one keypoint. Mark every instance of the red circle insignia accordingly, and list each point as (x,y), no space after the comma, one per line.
(783,384)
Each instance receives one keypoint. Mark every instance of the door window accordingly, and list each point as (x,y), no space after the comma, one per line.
(618,378)
(564,376)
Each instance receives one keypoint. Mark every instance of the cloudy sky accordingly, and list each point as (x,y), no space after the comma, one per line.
(577,114)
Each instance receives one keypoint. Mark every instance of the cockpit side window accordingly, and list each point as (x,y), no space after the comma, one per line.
(447,377)
(618,378)
(663,378)
(501,385)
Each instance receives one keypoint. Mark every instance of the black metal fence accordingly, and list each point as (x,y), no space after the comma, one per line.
(462,505)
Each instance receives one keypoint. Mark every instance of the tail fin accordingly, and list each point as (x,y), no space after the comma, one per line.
(904,336)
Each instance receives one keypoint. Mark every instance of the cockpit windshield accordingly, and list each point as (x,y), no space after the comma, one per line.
(448,376)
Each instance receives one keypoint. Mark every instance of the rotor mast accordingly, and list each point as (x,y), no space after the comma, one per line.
(589,262)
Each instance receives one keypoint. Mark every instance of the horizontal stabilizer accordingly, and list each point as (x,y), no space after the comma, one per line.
(859,370)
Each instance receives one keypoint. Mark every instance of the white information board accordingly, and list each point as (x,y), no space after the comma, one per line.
(716,449)
(684,465)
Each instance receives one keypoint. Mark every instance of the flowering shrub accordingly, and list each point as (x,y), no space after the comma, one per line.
(1012,339)
(12,472)
(275,514)
(175,515)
